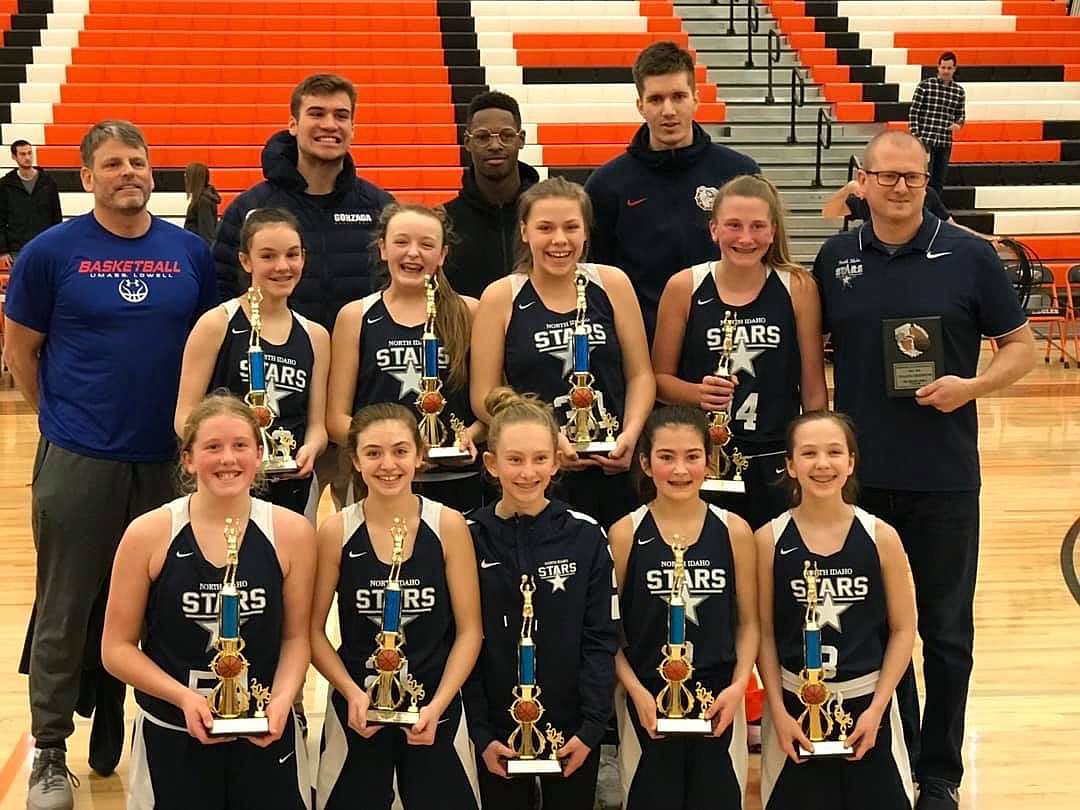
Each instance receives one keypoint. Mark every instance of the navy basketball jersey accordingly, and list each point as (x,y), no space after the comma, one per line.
(181,610)
(289,368)
(709,590)
(766,355)
(851,599)
(539,353)
(427,618)
(392,364)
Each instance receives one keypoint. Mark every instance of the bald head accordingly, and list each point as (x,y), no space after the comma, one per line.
(895,138)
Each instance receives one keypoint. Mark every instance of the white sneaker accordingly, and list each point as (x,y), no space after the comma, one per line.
(51,782)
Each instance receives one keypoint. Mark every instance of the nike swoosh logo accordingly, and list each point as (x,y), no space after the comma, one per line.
(239,331)
(526,306)
(486,564)
(281,760)
(645,542)
(181,555)
(930,255)
(353,554)
(375,320)
(780,470)
(702,303)
(786,551)
(635,203)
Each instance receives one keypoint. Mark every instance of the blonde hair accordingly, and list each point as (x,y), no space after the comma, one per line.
(365,418)
(508,407)
(453,324)
(553,187)
(757,187)
(218,403)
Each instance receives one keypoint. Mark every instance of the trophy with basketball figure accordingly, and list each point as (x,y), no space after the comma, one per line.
(231,698)
(588,419)
(675,703)
(431,402)
(722,463)
(526,740)
(822,709)
(392,685)
(277,445)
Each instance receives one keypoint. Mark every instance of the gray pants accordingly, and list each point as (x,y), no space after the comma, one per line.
(81,507)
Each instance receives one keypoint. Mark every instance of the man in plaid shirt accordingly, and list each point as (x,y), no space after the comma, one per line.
(937,111)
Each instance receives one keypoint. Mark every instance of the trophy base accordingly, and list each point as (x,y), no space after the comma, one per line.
(390,717)
(533,767)
(723,485)
(593,448)
(447,454)
(239,727)
(280,468)
(683,725)
(826,749)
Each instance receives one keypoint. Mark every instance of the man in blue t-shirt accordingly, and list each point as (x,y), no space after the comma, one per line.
(919,458)
(98,310)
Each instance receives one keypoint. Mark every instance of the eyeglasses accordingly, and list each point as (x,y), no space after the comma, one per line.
(506,136)
(913,179)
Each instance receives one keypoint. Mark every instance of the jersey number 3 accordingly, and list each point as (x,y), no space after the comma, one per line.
(747,413)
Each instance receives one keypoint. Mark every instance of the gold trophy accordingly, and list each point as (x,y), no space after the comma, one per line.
(583,425)
(823,710)
(526,710)
(230,699)
(388,689)
(721,464)
(430,402)
(675,704)
(278,445)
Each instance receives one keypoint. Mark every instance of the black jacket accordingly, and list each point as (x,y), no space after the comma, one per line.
(567,555)
(202,217)
(23,216)
(486,235)
(338,231)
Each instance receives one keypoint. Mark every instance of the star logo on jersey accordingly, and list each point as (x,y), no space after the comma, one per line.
(742,358)
(566,354)
(556,572)
(274,395)
(211,627)
(410,378)
(829,612)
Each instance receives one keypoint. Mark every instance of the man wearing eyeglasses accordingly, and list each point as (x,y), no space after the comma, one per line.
(917,425)
(484,214)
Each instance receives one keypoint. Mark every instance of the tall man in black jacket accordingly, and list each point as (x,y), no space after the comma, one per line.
(310,172)
(484,214)
(29,202)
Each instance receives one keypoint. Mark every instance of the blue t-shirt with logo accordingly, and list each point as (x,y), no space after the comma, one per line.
(115,313)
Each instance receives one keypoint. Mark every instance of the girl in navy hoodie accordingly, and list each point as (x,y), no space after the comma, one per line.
(565,553)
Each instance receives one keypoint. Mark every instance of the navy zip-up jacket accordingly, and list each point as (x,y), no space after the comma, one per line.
(652,210)
(338,231)
(576,628)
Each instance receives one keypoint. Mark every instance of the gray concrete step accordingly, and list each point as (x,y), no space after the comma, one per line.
(747,112)
(721,59)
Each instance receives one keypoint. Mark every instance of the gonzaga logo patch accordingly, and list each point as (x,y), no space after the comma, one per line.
(705,197)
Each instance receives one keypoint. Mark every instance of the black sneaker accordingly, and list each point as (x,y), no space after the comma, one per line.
(936,795)
(107,731)
(51,782)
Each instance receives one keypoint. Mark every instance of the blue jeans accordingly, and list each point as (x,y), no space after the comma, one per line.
(939,165)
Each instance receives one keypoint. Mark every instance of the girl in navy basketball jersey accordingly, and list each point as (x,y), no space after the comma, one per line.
(777,363)
(161,623)
(683,772)
(523,334)
(377,353)
(575,612)
(440,617)
(867,618)
(297,351)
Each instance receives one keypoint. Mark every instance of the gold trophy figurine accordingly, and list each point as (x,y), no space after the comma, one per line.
(675,703)
(430,402)
(392,684)
(277,446)
(526,740)
(822,709)
(583,425)
(230,699)
(721,464)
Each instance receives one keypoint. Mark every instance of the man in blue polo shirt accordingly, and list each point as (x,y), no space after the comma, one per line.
(98,311)
(919,457)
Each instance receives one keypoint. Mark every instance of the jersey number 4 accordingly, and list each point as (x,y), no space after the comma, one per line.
(747,413)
